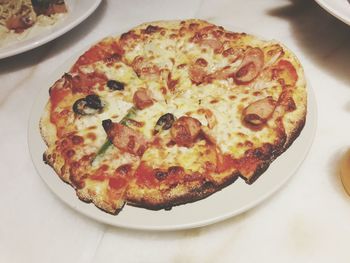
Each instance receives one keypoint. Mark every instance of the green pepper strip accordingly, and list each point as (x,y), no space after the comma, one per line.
(103,149)
(130,114)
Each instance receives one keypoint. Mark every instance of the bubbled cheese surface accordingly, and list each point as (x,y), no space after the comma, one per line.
(223,98)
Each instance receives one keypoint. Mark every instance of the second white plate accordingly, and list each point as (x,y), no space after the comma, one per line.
(338,8)
(79,10)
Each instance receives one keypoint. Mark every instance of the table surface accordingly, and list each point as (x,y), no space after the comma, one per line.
(308,220)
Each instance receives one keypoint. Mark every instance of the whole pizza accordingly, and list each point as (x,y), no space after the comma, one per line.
(171,112)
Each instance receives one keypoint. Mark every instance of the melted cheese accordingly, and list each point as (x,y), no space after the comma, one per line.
(191,159)
(188,99)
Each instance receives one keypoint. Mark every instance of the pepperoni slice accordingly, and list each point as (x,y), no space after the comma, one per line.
(252,65)
(125,138)
(197,74)
(216,45)
(285,72)
(142,98)
(185,130)
(258,112)
(145,69)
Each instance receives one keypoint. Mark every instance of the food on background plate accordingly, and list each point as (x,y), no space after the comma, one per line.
(171,112)
(18,18)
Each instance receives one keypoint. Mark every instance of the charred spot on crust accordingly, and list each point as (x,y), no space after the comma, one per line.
(45,158)
(193,26)
(125,35)
(78,182)
(263,153)
(175,170)
(206,187)
(231,35)
(151,29)
(258,171)
(160,175)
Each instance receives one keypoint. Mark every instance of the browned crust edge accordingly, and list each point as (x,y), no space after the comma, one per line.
(81,198)
(210,188)
(265,165)
(192,195)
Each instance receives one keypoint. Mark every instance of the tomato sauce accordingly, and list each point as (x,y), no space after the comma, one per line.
(57,95)
(224,162)
(117,182)
(98,52)
(145,176)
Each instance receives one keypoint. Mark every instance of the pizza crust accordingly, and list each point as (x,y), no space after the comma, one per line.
(156,199)
(47,129)
(48,132)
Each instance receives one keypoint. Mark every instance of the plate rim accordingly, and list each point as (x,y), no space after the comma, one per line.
(329,8)
(100,216)
(59,31)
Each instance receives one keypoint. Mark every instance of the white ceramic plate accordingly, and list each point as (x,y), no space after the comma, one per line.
(226,203)
(79,10)
(338,8)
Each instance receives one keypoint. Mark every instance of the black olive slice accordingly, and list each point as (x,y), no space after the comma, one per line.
(107,124)
(115,85)
(165,122)
(79,106)
(93,101)
(89,105)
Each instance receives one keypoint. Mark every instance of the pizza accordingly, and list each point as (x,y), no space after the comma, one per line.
(171,112)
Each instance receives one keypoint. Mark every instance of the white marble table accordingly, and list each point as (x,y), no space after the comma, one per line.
(308,220)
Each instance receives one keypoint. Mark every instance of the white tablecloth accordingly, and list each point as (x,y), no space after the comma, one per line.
(308,220)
